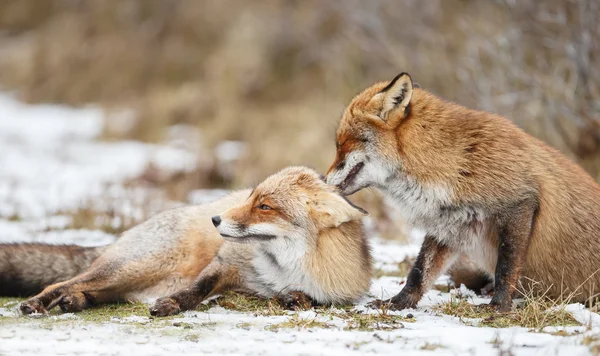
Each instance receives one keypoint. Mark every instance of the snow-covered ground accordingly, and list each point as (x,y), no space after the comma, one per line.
(52,162)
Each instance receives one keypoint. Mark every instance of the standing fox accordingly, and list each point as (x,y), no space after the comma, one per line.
(479,187)
(292,236)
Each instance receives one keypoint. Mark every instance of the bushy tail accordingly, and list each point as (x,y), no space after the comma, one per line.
(26,269)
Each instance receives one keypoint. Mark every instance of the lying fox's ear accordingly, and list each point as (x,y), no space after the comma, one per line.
(396,95)
(330,209)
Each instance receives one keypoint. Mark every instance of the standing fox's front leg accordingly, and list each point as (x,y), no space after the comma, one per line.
(431,262)
(514,233)
(214,279)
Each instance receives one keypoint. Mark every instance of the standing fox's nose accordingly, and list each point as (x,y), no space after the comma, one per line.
(216,220)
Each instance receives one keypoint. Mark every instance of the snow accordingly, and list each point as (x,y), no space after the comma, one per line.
(52,161)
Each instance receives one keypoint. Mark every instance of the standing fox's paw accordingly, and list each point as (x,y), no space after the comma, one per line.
(165,307)
(399,302)
(295,301)
(33,306)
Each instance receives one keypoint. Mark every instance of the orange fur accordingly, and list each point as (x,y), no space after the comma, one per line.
(484,161)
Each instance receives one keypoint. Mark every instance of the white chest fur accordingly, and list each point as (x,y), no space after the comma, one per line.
(279,267)
(431,209)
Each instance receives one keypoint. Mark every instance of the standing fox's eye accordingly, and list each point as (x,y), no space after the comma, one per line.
(264,207)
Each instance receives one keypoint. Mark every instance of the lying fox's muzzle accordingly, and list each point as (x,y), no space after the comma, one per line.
(236,232)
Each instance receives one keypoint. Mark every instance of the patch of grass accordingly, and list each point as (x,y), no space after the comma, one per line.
(139,198)
(358,320)
(245,326)
(592,342)
(564,333)
(91,219)
(357,345)
(109,218)
(503,349)
(9,302)
(14,217)
(535,313)
(589,339)
(192,337)
(431,346)
(370,322)
(247,304)
(103,314)
(107,312)
(296,322)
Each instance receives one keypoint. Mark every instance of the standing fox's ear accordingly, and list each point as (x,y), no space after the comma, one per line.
(331,210)
(396,95)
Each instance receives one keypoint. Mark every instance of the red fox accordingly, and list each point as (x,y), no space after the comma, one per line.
(479,187)
(292,234)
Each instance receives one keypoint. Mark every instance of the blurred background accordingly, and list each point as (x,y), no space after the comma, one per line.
(253,86)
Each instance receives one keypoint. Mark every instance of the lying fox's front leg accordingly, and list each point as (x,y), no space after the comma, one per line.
(214,279)
(294,300)
(78,301)
(431,262)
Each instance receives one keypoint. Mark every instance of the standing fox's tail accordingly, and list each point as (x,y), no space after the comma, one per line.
(26,269)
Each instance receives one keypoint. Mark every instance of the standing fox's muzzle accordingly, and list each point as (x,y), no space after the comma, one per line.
(216,220)
(344,176)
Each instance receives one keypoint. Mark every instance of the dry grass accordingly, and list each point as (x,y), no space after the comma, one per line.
(431,346)
(355,320)
(371,322)
(277,74)
(115,214)
(109,221)
(121,207)
(535,313)
(247,304)
(297,322)
(101,314)
(593,343)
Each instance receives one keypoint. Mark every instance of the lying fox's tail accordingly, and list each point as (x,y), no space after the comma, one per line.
(26,269)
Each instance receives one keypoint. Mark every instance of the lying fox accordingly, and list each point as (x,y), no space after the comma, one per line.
(479,187)
(292,234)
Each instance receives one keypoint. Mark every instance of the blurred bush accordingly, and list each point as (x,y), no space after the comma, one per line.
(276,74)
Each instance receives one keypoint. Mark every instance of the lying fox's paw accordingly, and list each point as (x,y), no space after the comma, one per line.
(165,307)
(73,303)
(294,301)
(33,306)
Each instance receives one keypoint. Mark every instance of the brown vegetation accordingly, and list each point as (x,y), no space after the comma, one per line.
(277,73)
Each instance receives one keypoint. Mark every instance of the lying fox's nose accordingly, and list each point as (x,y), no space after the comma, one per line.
(216,220)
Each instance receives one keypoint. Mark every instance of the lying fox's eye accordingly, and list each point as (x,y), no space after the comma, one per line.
(264,207)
